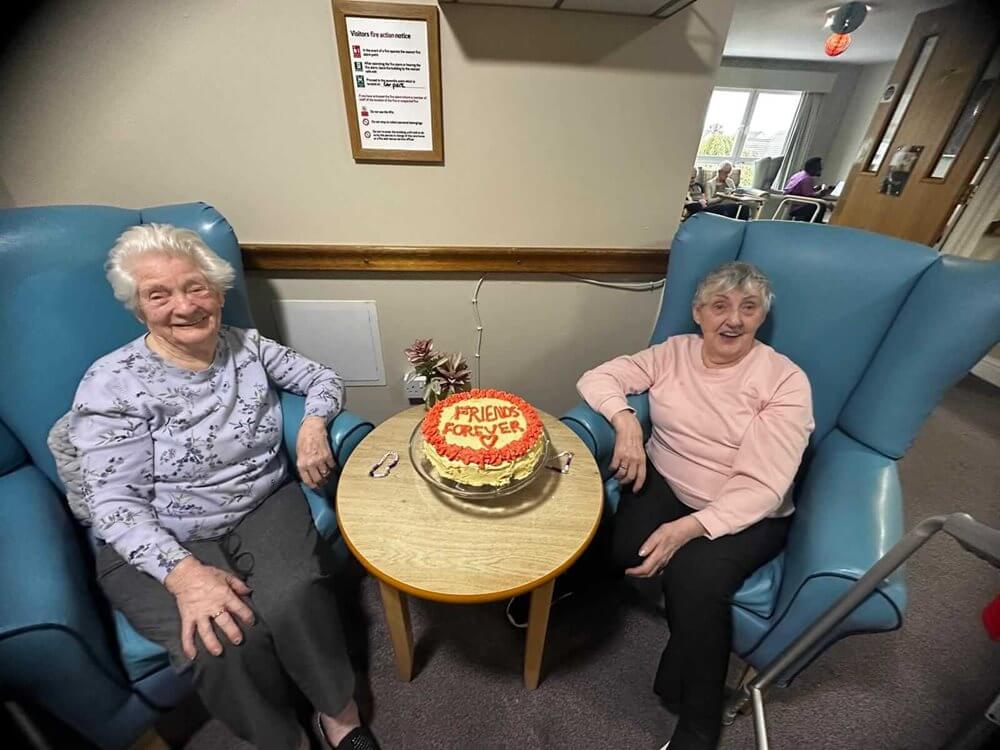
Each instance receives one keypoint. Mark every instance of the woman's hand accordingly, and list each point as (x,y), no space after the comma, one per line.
(312,449)
(629,458)
(663,543)
(205,594)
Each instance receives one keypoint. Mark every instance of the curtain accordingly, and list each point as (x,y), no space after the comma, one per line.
(800,137)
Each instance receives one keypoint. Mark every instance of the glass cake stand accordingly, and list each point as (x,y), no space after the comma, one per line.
(467,491)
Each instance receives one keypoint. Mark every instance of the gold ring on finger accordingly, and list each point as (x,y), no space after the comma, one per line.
(220,613)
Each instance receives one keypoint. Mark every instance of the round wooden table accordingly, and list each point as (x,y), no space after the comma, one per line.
(417,540)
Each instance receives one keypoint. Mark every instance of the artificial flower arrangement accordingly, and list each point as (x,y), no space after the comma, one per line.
(445,373)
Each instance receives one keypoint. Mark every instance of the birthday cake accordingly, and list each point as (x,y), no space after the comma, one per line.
(483,438)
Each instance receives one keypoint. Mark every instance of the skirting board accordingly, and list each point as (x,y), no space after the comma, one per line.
(988,368)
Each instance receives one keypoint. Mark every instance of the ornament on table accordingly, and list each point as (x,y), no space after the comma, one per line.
(444,373)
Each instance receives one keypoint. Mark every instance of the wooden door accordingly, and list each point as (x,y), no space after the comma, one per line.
(933,128)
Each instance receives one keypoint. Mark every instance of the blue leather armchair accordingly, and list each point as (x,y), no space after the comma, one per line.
(882,327)
(60,646)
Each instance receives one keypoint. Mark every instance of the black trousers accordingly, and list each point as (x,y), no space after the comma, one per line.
(732,210)
(698,585)
(296,640)
(805,213)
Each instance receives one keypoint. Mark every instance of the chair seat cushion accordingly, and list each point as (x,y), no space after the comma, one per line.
(140,656)
(759,592)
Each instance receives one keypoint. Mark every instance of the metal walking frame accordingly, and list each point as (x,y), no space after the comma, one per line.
(978,538)
(791,200)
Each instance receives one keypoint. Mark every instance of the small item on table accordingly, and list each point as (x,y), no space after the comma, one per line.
(384,466)
(562,468)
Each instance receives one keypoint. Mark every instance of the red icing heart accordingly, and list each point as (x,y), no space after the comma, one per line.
(488,440)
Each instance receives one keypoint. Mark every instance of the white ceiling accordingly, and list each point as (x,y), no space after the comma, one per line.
(793,29)
(777,29)
(662,8)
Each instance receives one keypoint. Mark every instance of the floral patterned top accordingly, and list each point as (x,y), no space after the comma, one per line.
(170,455)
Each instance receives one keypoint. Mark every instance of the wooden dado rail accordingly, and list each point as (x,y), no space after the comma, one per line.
(454,259)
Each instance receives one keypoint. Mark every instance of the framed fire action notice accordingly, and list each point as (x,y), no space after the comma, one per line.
(390,64)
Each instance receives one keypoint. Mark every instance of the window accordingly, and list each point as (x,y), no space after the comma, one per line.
(973,110)
(743,125)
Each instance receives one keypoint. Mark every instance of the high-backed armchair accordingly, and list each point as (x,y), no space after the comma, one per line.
(882,327)
(60,647)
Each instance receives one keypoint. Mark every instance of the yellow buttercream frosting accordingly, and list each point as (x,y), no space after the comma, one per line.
(492,475)
(484,423)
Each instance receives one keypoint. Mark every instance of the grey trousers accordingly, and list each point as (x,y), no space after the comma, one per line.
(296,641)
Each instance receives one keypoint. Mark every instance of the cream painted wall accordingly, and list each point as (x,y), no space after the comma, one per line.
(566,129)
(854,122)
(540,332)
(780,75)
(560,129)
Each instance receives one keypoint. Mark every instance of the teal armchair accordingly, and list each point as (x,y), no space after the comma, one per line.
(61,647)
(882,327)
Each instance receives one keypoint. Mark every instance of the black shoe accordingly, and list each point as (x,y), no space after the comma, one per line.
(359,738)
(519,607)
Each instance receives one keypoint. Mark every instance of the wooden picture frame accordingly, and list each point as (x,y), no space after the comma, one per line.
(363,150)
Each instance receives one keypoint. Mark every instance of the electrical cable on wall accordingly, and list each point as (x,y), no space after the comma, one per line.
(642,286)
(626,287)
(479,330)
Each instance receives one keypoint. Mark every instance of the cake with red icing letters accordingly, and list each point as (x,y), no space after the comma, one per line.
(483,437)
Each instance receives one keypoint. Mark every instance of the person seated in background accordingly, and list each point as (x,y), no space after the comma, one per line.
(708,498)
(804,183)
(722,182)
(205,541)
(697,200)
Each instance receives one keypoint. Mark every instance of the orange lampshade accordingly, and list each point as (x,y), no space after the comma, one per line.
(836,44)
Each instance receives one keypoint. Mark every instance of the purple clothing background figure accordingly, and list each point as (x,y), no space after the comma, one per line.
(801,183)
(170,455)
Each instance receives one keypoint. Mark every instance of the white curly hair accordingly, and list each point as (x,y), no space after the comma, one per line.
(162,238)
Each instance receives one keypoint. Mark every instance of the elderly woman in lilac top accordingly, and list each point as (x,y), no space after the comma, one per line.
(206,541)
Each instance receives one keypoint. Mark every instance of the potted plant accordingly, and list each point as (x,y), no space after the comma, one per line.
(443,373)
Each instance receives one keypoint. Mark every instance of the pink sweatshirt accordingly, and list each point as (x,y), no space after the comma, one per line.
(727,440)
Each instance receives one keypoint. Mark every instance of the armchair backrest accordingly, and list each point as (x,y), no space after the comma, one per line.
(57,311)
(881,326)
(765,170)
(761,169)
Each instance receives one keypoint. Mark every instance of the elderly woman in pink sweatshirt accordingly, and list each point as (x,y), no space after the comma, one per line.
(707,500)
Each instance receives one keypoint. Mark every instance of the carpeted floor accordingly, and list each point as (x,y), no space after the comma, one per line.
(908,689)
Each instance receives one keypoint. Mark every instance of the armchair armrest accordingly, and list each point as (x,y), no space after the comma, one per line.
(346,430)
(44,573)
(598,434)
(55,647)
(849,514)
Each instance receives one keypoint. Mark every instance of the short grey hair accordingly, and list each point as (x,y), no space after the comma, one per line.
(162,238)
(734,275)
(725,164)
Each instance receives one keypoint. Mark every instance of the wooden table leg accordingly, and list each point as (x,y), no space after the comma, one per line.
(538,622)
(397,617)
